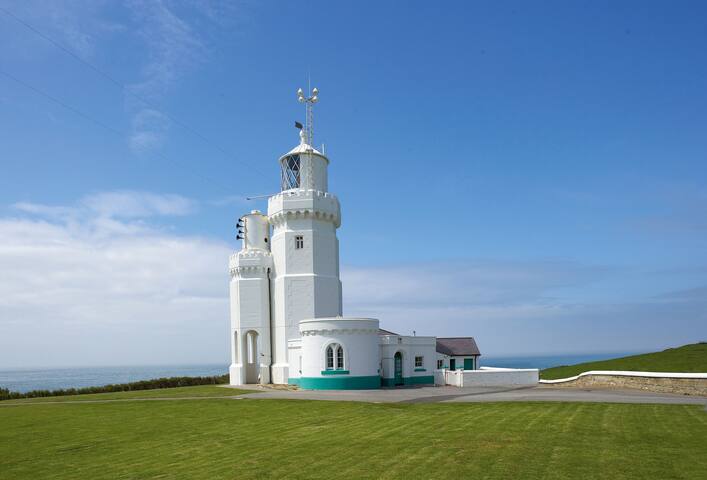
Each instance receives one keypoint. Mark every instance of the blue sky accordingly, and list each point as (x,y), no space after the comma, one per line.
(531,174)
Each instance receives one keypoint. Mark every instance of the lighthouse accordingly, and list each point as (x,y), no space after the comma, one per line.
(305,276)
(287,325)
(294,275)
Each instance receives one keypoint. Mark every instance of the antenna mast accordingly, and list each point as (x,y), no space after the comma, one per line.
(309,118)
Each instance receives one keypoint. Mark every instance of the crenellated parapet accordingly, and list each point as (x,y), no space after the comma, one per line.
(248,263)
(338,325)
(298,203)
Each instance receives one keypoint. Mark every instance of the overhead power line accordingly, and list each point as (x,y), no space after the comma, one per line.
(127,89)
(109,128)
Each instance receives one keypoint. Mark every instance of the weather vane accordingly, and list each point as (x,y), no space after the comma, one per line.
(309,121)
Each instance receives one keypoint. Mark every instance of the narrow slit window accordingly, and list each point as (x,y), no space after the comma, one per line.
(339,358)
(299,242)
(329,358)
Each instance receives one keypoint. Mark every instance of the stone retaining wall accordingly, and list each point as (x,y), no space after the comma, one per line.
(684,386)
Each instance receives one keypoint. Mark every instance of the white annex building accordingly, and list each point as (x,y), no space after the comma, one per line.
(286,316)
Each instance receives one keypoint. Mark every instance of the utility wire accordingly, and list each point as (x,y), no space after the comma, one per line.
(107,127)
(126,89)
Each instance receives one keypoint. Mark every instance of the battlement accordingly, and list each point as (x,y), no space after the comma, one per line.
(300,202)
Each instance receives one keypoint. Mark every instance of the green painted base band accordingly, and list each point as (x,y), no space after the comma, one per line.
(340,383)
(387,382)
(419,380)
(293,381)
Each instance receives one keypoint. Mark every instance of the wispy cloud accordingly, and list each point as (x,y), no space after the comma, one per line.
(148,130)
(77,24)
(171,37)
(115,204)
(173,48)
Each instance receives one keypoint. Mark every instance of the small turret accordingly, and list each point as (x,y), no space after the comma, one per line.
(254,230)
(250,302)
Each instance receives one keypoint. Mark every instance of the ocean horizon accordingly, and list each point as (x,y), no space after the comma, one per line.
(32,378)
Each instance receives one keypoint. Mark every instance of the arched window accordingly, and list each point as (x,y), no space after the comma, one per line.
(329,358)
(334,357)
(339,358)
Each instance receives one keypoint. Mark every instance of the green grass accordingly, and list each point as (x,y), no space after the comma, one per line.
(688,358)
(178,392)
(250,438)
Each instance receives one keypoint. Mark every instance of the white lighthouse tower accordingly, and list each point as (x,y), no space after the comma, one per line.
(276,284)
(304,217)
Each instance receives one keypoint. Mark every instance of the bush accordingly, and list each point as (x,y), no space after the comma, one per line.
(171,382)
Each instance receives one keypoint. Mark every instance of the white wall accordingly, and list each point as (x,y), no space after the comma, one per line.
(294,357)
(250,312)
(358,337)
(409,347)
(489,377)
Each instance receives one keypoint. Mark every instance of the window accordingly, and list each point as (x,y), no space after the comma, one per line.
(419,361)
(339,358)
(290,175)
(334,357)
(440,363)
(329,358)
(299,242)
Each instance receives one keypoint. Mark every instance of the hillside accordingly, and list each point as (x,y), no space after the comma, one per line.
(688,358)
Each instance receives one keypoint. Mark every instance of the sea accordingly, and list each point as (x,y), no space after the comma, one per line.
(26,379)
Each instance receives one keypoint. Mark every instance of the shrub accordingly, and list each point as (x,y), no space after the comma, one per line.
(171,382)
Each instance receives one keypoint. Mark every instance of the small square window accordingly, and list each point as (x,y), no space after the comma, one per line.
(299,242)
(419,361)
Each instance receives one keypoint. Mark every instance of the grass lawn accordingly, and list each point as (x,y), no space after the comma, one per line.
(178,392)
(250,438)
(688,358)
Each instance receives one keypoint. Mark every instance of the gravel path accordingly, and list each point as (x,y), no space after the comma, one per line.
(431,395)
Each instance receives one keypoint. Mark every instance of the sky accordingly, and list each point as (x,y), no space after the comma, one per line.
(533,174)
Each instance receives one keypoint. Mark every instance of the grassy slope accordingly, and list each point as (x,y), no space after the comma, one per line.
(214,439)
(688,358)
(178,392)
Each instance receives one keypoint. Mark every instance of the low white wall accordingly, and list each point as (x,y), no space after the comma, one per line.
(488,377)
(624,373)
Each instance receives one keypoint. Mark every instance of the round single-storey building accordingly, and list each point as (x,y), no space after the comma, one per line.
(339,353)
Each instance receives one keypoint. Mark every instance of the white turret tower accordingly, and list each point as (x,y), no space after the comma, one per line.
(304,216)
(250,270)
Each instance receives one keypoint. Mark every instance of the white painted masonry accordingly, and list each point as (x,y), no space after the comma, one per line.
(358,338)
(489,377)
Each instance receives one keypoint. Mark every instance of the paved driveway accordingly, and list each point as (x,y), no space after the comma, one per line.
(479,394)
